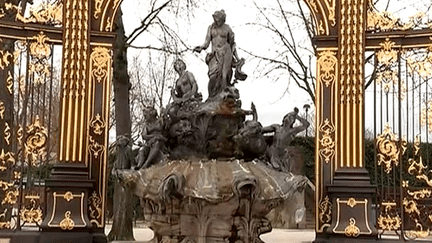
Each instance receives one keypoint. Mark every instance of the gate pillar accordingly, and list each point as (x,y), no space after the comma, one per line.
(344,192)
(76,191)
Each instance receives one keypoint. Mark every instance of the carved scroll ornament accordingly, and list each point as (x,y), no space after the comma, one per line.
(389,149)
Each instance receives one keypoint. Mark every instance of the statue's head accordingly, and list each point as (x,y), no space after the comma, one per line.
(289,119)
(122,140)
(219,17)
(150,113)
(181,129)
(179,65)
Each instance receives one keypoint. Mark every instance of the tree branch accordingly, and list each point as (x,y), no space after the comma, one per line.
(161,49)
(146,22)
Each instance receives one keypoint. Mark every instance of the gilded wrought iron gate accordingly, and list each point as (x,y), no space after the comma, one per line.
(55,74)
(61,115)
(373,174)
(401,123)
(29,101)
(29,108)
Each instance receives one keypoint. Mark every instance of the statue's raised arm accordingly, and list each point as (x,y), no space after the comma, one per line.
(206,42)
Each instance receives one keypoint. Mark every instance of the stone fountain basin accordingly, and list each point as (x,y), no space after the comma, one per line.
(210,201)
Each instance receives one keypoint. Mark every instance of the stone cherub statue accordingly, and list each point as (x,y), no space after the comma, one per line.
(283,135)
(152,151)
(223,56)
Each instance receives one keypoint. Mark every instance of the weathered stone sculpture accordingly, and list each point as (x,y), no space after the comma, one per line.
(123,206)
(185,94)
(223,56)
(283,135)
(250,141)
(210,201)
(186,87)
(153,150)
(202,174)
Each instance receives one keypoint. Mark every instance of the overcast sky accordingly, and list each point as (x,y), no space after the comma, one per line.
(270,97)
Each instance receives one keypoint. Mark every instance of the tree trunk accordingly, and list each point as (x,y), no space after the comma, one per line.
(123,212)
(122,198)
(121,80)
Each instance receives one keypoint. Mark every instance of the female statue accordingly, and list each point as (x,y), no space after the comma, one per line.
(186,87)
(223,55)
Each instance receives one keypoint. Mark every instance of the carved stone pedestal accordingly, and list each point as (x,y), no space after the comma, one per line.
(66,210)
(352,221)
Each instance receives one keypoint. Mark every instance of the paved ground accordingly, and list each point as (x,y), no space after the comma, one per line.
(143,234)
(289,235)
(276,236)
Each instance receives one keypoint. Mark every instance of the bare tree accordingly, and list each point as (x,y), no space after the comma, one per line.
(122,223)
(291,27)
(151,82)
(291,54)
(169,42)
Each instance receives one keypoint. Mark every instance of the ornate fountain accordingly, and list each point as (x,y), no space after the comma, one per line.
(205,173)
